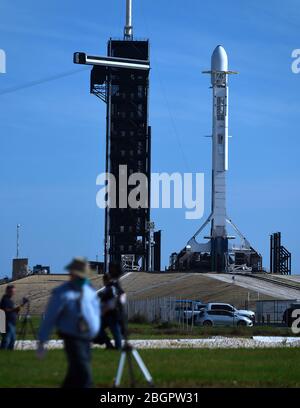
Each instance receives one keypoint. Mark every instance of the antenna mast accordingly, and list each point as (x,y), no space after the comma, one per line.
(128,32)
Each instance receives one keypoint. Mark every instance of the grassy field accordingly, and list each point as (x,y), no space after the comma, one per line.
(168,331)
(142,331)
(170,368)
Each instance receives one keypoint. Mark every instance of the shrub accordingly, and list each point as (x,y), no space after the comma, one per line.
(138,318)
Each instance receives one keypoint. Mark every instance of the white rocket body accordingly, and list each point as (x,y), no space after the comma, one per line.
(219,69)
(222,256)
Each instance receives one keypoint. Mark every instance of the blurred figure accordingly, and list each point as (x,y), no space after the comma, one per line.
(109,296)
(102,337)
(74,310)
(11,313)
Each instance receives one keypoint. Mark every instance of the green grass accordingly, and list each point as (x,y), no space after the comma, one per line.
(171,331)
(170,368)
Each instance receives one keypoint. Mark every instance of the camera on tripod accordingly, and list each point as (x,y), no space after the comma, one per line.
(115,271)
(26,325)
(25,301)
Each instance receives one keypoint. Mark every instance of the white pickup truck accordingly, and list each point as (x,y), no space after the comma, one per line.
(188,310)
(226,306)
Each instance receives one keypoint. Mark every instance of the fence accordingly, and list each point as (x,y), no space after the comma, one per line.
(153,309)
(183,312)
(272,311)
(163,310)
(160,310)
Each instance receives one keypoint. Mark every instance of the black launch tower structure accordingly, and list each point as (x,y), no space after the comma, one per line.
(121,80)
(128,136)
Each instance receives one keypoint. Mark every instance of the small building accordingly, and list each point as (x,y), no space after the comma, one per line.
(20,268)
(41,270)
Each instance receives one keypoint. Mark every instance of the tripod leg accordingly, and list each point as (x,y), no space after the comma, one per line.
(25,332)
(19,336)
(33,332)
(22,333)
(118,378)
(142,366)
(130,369)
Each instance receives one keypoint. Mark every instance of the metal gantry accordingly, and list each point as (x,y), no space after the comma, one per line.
(280,257)
(121,80)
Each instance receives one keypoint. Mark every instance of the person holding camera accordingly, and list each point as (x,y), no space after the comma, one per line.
(11,313)
(111,314)
(74,310)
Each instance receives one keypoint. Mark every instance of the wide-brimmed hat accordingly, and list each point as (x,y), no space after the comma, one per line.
(79,267)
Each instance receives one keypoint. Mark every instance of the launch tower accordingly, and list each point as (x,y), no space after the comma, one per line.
(121,80)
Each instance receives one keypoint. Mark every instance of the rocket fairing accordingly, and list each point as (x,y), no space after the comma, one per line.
(219,60)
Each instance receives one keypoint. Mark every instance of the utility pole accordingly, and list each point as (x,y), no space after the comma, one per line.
(18,240)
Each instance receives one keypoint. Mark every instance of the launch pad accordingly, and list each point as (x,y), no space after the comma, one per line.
(121,81)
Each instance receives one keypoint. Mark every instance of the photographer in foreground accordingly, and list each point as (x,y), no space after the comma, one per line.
(11,313)
(111,314)
(128,353)
(74,310)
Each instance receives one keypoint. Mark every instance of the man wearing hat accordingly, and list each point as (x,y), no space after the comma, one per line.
(74,310)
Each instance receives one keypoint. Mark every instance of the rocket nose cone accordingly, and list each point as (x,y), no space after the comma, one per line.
(219,60)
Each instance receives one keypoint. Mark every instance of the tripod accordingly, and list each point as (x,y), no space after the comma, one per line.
(27,323)
(129,353)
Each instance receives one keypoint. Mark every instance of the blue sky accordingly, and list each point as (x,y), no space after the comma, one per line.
(52,135)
